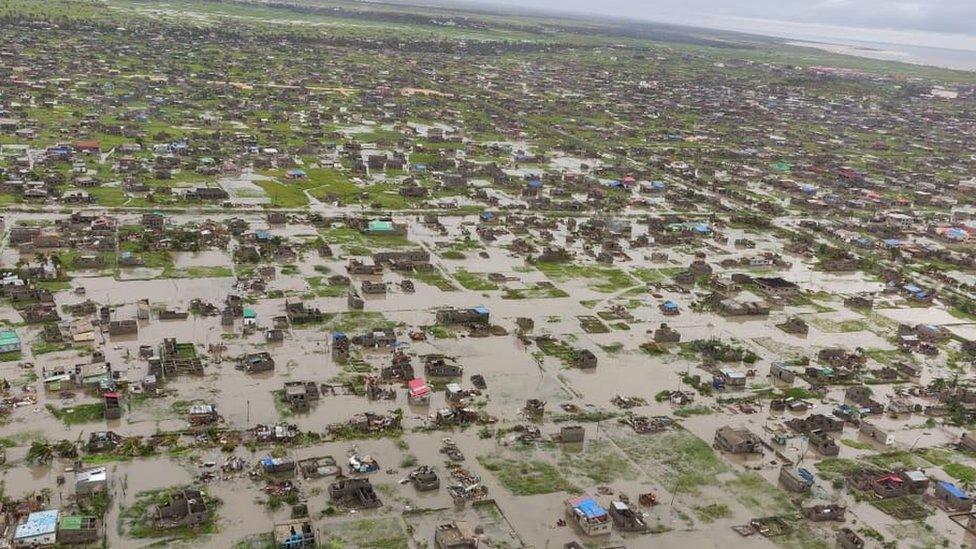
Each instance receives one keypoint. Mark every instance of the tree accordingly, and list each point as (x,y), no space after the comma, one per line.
(66,449)
(40,453)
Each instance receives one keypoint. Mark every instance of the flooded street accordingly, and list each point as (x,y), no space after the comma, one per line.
(377,275)
(513,363)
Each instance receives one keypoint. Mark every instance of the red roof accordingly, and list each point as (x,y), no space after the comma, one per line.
(418,387)
(87,145)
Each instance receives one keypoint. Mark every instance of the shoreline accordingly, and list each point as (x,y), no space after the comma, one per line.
(895,55)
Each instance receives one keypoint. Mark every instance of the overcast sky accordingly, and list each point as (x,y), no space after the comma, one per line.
(937,23)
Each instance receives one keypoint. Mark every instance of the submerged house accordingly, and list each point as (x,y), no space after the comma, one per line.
(424,479)
(256,362)
(951,497)
(666,334)
(185,508)
(40,529)
(795,479)
(475,315)
(821,513)
(586,513)
(455,535)
(294,534)
(627,517)
(354,493)
(737,441)
(78,529)
(440,366)
(300,394)
(91,481)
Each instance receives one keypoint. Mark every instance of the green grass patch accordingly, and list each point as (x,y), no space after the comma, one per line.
(755,493)
(612,348)
(688,411)
(526,477)
(712,512)
(477,282)
(82,413)
(685,460)
(379,533)
(834,468)
(356,321)
(850,443)
(540,291)
(655,276)
(600,279)
(45,347)
(434,278)
(960,472)
(283,195)
(599,462)
(347,236)
(10,356)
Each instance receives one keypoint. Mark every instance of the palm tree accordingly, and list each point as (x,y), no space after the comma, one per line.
(66,449)
(131,446)
(40,453)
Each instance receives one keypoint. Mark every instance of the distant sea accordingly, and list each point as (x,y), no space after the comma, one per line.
(918,55)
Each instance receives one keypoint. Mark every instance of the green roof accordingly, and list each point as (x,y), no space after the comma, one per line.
(9,337)
(249,313)
(377,225)
(72,522)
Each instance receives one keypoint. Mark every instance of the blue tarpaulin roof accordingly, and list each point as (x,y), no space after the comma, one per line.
(952,489)
(481,310)
(590,508)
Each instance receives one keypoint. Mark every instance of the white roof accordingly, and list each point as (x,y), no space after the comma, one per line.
(916,476)
(97,474)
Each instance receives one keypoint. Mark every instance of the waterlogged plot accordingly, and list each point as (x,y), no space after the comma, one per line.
(600,279)
(297,274)
(680,455)
(524,477)
(385,533)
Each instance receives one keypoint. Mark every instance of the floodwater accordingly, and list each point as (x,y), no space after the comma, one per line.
(514,371)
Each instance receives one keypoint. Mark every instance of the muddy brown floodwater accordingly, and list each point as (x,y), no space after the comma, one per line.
(700,492)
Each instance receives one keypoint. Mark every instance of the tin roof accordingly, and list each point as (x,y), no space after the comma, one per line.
(39,523)
(9,337)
